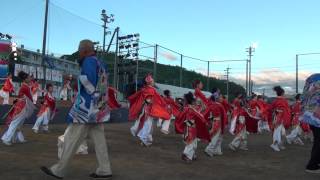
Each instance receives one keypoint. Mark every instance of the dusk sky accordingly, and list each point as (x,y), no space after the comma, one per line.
(205,29)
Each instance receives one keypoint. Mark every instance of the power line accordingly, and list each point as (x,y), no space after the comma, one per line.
(23,14)
(78,16)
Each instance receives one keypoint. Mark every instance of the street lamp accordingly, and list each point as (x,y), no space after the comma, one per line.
(106,19)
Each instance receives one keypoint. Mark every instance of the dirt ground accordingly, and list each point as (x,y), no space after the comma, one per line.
(161,161)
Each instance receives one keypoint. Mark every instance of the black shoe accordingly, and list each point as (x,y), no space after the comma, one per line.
(96,176)
(49,172)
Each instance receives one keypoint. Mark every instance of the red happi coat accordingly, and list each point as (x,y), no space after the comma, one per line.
(296,112)
(252,118)
(281,112)
(18,107)
(112,98)
(171,106)
(8,86)
(198,129)
(226,105)
(265,111)
(241,126)
(156,107)
(235,125)
(236,107)
(34,87)
(200,96)
(216,110)
(48,104)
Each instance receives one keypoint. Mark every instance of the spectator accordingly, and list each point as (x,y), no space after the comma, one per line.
(311,115)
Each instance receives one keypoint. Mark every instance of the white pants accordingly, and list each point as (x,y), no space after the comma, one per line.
(295,133)
(13,133)
(83,148)
(134,128)
(5,96)
(42,121)
(277,135)
(263,126)
(240,140)
(35,98)
(73,138)
(190,149)
(214,147)
(165,125)
(145,133)
(233,125)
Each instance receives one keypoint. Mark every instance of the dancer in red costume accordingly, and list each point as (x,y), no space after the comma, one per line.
(225,103)
(21,110)
(192,125)
(112,98)
(35,88)
(297,130)
(236,110)
(264,124)
(201,100)
(281,118)
(111,104)
(238,125)
(145,105)
(217,118)
(172,108)
(7,89)
(254,115)
(47,111)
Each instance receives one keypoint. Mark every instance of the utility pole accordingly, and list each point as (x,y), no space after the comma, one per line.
(208,78)
(155,62)
(106,19)
(297,75)
(251,84)
(247,64)
(44,42)
(250,50)
(181,59)
(115,66)
(227,76)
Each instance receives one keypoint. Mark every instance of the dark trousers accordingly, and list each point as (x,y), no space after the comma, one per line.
(315,153)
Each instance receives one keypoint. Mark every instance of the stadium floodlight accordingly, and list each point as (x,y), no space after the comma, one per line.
(128,46)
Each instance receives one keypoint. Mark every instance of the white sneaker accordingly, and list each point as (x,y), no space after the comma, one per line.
(7,143)
(208,153)
(218,153)
(244,148)
(316,171)
(275,147)
(289,141)
(35,131)
(232,147)
(21,142)
(282,147)
(299,142)
(164,132)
